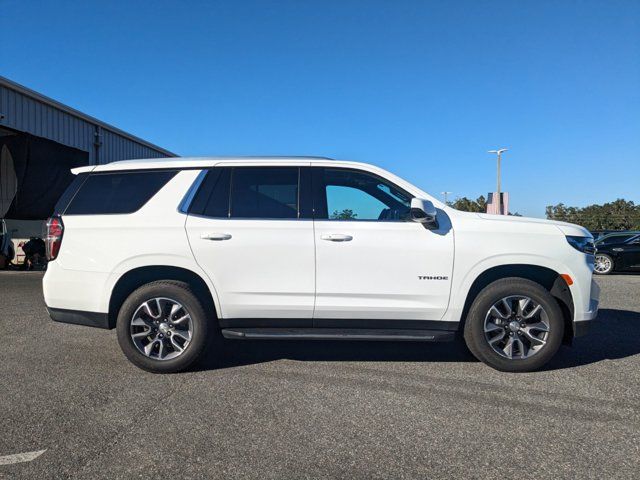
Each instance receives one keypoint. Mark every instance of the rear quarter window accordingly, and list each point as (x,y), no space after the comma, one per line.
(120,192)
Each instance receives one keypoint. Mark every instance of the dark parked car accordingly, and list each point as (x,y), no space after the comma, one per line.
(615,237)
(619,255)
(598,234)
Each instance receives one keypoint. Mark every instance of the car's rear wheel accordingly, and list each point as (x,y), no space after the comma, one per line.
(514,325)
(603,264)
(162,327)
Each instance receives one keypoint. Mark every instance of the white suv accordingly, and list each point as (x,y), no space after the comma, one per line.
(172,251)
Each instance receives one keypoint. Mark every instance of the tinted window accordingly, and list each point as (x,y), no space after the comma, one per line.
(68,194)
(123,192)
(343,194)
(212,199)
(610,239)
(264,192)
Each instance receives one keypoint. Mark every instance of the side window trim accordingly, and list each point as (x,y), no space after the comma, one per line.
(230,201)
(185,204)
(305,193)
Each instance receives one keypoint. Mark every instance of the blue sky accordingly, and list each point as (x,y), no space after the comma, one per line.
(422,88)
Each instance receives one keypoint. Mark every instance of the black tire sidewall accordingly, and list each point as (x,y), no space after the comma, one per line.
(474,326)
(174,290)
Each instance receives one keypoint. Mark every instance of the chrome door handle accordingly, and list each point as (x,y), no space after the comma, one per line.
(337,237)
(215,236)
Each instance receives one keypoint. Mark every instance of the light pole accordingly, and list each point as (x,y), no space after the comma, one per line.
(445,196)
(499,154)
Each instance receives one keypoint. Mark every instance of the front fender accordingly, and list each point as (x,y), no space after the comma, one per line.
(463,281)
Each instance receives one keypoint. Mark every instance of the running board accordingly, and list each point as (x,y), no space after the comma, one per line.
(337,334)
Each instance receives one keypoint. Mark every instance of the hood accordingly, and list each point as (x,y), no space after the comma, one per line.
(564,227)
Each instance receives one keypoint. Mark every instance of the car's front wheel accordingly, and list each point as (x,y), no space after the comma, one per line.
(514,325)
(603,264)
(162,327)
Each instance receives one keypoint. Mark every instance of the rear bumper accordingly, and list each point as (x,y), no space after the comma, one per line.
(79,317)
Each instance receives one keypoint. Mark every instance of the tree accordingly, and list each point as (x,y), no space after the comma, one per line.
(467,205)
(618,215)
(345,214)
(478,205)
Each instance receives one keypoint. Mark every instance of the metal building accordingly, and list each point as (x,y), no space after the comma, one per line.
(24,110)
(40,141)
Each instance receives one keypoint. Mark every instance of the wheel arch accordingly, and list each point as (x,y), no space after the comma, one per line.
(547,277)
(137,277)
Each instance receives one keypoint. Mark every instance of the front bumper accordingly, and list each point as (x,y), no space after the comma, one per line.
(584,322)
(583,328)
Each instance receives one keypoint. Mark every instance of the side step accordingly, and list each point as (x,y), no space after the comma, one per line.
(337,334)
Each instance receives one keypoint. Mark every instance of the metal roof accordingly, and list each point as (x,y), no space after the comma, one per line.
(5,82)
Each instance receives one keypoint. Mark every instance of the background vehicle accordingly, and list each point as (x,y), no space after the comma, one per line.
(618,253)
(167,251)
(598,234)
(615,237)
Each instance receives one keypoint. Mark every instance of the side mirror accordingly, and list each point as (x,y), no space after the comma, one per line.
(423,211)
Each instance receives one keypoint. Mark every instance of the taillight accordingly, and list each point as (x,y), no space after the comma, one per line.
(53,239)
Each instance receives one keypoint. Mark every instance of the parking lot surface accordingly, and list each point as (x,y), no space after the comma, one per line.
(294,410)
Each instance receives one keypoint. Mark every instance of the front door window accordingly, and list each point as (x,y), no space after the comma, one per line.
(345,194)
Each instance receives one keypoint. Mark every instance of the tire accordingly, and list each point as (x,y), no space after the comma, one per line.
(603,265)
(173,346)
(531,345)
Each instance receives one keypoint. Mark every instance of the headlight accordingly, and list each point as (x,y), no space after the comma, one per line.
(582,244)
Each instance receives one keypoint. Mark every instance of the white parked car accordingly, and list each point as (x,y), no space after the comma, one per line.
(170,251)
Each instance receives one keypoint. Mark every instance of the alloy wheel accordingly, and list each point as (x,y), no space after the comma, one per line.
(516,327)
(602,264)
(161,328)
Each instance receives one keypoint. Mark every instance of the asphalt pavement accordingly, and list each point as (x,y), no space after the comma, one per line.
(296,410)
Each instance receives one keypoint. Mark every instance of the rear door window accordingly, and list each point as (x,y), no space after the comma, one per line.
(264,192)
(212,199)
(117,193)
(254,192)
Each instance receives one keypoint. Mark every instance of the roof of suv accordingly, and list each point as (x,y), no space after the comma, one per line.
(188,162)
(181,163)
